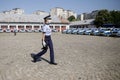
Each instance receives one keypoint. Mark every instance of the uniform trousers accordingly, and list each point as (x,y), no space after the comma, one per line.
(50,45)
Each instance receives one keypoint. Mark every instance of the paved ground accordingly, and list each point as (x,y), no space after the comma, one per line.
(79,57)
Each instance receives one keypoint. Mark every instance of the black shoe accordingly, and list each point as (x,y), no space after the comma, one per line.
(53,63)
(35,59)
(32,55)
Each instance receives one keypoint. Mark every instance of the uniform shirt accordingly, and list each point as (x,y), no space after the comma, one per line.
(46,29)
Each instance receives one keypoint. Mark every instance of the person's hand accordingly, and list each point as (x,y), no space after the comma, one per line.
(44,43)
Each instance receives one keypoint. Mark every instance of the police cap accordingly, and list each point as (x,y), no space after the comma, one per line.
(47,17)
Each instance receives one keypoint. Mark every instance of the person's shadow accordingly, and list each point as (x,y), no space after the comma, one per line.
(45,60)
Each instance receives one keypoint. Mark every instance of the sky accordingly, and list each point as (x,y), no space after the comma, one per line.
(78,6)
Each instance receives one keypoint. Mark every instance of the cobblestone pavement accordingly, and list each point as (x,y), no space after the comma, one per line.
(79,57)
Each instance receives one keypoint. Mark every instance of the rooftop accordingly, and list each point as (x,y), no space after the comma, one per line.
(26,18)
(83,22)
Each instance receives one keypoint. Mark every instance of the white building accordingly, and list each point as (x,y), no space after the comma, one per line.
(14,11)
(38,12)
(57,11)
(65,14)
(60,12)
(70,13)
(17,18)
(82,17)
(29,21)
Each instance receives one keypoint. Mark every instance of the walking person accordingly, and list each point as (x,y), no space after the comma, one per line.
(46,42)
(15,30)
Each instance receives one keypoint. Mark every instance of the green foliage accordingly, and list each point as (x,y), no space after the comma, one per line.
(107,17)
(115,17)
(71,18)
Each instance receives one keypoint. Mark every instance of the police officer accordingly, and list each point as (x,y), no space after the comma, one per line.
(46,42)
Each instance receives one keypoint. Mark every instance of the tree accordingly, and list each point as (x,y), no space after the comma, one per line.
(103,17)
(107,17)
(115,17)
(71,18)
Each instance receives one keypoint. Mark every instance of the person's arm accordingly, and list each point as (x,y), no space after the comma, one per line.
(43,36)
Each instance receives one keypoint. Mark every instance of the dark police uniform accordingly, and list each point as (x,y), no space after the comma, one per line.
(47,32)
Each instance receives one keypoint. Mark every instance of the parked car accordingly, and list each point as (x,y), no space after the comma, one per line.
(74,31)
(96,32)
(54,30)
(101,31)
(1,30)
(40,30)
(118,34)
(7,30)
(114,31)
(36,30)
(29,30)
(88,32)
(81,31)
(69,31)
(107,33)
(22,30)
(64,31)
